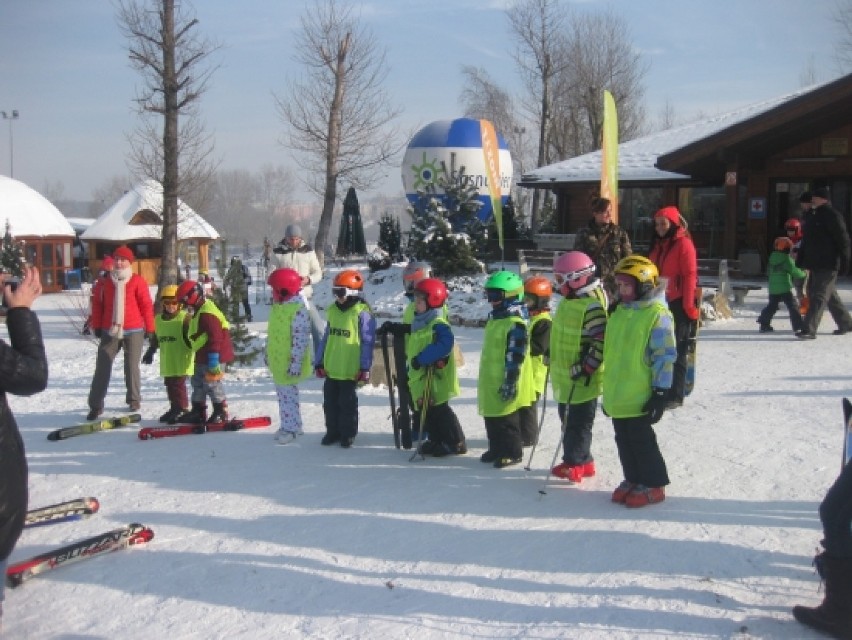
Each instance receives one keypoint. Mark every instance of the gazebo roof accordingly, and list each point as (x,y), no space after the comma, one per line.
(138,216)
(29,213)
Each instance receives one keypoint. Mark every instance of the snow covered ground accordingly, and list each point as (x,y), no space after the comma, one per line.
(256,540)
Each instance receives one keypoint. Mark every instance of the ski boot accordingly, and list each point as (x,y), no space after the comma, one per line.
(170,416)
(196,415)
(220,413)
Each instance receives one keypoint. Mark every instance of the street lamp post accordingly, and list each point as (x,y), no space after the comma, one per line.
(11,117)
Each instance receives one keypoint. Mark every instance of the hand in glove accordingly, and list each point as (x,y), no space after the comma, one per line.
(319,372)
(656,404)
(508,391)
(363,377)
(213,374)
(415,363)
(385,328)
(148,357)
(578,373)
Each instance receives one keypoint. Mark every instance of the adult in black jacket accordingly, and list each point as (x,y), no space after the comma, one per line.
(824,253)
(23,372)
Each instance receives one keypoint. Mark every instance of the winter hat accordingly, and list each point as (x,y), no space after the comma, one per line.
(293,231)
(671,214)
(124,252)
(821,192)
(107,263)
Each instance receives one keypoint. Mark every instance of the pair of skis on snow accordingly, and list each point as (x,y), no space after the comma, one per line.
(149,433)
(121,538)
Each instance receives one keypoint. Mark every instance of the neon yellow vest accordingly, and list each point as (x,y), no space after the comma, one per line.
(627,377)
(280,342)
(208,307)
(537,364)
(445,382)
(175,356)
(342,356)
(565,334)
(492,366)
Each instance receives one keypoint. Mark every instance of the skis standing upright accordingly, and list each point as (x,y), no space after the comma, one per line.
(692,346)
(389,376)
(847,431)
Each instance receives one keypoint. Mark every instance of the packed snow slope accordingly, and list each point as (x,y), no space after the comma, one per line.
(256,540)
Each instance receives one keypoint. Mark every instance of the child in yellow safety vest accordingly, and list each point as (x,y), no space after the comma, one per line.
(576,353)
(175,354)
(505,378)
(344,357)
(432,374)
(288,349)
(537,292)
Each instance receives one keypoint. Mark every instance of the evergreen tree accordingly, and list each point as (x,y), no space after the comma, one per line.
(12,258)
(390,236)
(513,227)
(433,238)
(350,240)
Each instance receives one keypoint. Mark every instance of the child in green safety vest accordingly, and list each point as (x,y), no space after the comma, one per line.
(175,355)
(432,371)
(537,292)
(288,349)
(639,356)
(344,357)
(505,378)
(576,353)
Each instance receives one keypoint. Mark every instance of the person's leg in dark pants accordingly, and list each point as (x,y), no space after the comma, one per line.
(681,327)
(793,309)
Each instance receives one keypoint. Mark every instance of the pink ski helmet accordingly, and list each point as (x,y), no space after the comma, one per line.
(573,269)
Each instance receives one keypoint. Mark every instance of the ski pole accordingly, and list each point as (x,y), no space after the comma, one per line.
(540,420)
(391,392)
(427,399)
(543,491)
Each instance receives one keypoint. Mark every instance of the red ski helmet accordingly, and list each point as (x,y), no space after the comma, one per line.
(190,293)
(285,283)
(434,292)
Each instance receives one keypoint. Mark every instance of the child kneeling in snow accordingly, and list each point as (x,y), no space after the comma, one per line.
(639,356)
(287,353)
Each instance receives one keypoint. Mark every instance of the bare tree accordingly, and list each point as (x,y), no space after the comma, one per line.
(667,117)
(538,28)
(809,75)
(276,186)
(169,145)
(106,195)
(842,17)
(338,115)
(599,56)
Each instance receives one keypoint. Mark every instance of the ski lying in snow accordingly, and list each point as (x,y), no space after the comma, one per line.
(234,424)
(94,426)
(847,428)
(19,572)
(62,512)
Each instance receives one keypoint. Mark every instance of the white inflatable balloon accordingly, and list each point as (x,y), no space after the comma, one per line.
(448,147)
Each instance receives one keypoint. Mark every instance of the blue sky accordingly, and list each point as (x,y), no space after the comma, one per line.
(63,66)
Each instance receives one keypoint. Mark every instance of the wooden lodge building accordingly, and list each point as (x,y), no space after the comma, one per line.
(736,177)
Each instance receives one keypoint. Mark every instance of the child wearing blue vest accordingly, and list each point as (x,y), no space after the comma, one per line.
(287,349)
(639,355)
(537,292)
(344,357)
(576,354)
(430,346)
(170,336)
(505,378)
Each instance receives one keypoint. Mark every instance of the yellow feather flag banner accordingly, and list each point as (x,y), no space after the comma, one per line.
(609,147)
(491,154)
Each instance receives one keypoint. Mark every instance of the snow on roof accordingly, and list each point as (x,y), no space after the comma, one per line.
(637,158)
(29,213)
(138,216)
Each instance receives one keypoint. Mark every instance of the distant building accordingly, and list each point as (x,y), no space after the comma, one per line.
(47,235)
(736,177)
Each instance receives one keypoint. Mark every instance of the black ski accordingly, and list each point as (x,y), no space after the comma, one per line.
(62,512)
(389,375)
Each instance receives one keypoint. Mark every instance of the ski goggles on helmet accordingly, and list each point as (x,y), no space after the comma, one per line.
(562,278)
(344,292)
(495,295)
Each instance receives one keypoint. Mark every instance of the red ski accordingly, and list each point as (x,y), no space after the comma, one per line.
(19,572)
(234,424)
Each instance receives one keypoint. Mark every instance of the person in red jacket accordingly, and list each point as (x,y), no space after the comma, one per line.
(673,252)
(121,318)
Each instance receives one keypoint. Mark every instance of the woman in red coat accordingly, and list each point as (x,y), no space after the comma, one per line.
(121,318)
(673,252)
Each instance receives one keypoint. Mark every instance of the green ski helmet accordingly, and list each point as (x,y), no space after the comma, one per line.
(503,285)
